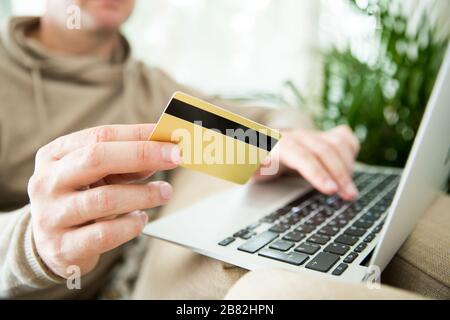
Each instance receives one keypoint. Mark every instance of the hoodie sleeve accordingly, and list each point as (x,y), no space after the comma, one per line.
(278,118)
(21,269)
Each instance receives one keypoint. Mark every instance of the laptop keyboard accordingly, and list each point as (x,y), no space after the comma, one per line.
(320,232)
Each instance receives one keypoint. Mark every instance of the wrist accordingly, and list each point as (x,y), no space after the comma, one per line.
(37,265)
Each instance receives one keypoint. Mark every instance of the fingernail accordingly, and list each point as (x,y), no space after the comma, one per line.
(331,185)
(171,153)
(144,217)
(351,190)
(165,190)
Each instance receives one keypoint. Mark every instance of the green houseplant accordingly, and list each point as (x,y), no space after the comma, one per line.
(383,102)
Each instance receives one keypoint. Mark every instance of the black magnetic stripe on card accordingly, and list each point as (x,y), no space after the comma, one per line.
(225,126)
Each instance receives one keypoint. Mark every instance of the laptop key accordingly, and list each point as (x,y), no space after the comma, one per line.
(371,215)
(313,206)
(363,223)
(377,210)
(281,212)
(305,228)
(258,241)
(339,222)
(226,241)
(291,220)
(348,215)
(248,235)
(355,207)
(269,219)
(296,210)
(350,257)
(337,248)
(346,239)
(329,231)
(294,258)
(318,219)
(340,269)
(378,228)
(308,248)
(354,231)
(370,237)
(295,236)
(314,222)
(319,239)
(323,262)
(360,247)
(328,212)
(241,233)
(279,228)
(281,245)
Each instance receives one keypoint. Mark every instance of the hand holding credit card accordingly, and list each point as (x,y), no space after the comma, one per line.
(213,140)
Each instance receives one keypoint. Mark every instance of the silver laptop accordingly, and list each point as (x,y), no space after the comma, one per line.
(287,224)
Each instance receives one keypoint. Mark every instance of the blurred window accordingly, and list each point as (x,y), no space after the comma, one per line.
(220,46)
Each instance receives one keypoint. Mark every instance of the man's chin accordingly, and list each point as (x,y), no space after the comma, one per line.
(102,27)
(103,23)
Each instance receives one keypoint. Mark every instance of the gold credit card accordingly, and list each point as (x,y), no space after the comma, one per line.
(213,140)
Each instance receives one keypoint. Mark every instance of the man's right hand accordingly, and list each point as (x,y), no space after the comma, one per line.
(83,202)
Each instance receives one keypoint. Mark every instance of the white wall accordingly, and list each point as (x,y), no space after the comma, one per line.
(241,46)
(229,46)
(223,46)
(27,7)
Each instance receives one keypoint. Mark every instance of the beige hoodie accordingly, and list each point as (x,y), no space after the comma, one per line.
(45,95)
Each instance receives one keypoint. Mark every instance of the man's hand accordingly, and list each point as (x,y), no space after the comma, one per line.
(325,159)
(82,200)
